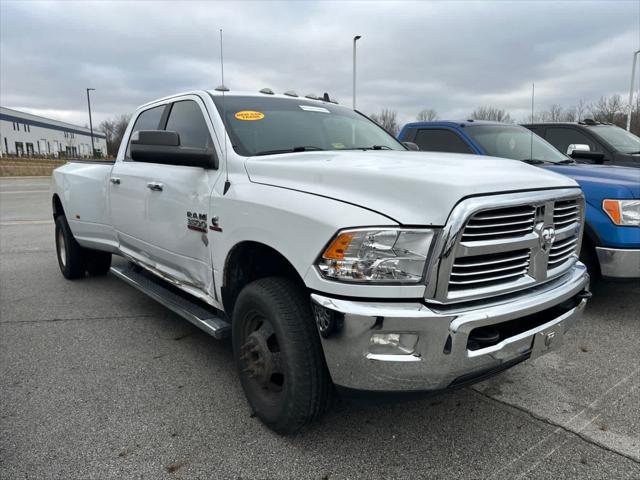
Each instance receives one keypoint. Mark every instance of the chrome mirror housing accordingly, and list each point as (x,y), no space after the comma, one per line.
(577,147)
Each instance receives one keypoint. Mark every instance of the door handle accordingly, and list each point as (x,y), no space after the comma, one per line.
(155,186)
(115,180)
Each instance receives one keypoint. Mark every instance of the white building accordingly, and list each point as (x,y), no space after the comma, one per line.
(24,134)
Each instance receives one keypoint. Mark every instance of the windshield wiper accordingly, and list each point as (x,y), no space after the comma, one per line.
(534,161)
(372,147)
(568,161)
(302,148)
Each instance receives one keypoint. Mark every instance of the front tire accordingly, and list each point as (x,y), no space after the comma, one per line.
(589,257)
(278,354)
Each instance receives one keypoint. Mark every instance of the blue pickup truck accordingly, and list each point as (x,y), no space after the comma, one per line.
(611,244)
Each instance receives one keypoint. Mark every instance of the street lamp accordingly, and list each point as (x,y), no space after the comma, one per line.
(355,39)
(93,148)
(633,78)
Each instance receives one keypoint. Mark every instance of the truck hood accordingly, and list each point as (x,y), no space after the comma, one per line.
(602,181)
(412,188)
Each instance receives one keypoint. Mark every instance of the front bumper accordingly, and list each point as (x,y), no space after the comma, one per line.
(618,262)
(443,355)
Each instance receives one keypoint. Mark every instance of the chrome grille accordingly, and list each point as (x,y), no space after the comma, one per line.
(565,213)
(487,270)
(500,223)
(561,251)
(503,243)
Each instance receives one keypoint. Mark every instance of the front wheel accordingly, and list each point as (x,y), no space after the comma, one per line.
(278,354)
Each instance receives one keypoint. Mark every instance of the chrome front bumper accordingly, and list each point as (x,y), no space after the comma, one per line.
(619,262)
(441,357)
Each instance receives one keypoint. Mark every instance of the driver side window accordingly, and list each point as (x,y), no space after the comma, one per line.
(562,137)
(186,119)
(147,120)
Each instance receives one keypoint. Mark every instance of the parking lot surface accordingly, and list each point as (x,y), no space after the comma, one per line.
(98,381)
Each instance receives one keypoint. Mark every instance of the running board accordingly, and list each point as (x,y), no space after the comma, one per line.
(207,318)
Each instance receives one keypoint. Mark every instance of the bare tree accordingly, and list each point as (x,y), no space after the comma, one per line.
(427,115)
(388,119)
(607,109)
(581,109)
(557,113)
(114,129)
(553,114)
(492,113)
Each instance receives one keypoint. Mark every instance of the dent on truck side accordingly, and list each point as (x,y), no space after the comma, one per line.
(82,195)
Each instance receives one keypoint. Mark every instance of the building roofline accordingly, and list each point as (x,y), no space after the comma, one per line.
(12,114)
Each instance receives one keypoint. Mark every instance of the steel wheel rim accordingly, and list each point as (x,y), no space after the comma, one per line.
(261,358)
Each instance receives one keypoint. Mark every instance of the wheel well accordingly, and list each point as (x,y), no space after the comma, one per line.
(250,261)
(57,206)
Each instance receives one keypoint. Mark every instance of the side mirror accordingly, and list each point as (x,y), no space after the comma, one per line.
(577,146)
(411,146)
(581,151)
(162,146)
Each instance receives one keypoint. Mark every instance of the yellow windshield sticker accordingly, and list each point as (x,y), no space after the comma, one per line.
(338,146)
(249,115)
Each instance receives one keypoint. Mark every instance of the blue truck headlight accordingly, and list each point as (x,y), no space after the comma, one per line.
(623,212)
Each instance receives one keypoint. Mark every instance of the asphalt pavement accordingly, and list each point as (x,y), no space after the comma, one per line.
(98,381)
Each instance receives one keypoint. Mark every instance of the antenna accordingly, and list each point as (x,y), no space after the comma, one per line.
(533,96)
(227,183)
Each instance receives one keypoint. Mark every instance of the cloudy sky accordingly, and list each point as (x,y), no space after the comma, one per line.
(451,56)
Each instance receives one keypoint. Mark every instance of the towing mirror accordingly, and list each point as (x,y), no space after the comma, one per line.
(162,146)
(579,150)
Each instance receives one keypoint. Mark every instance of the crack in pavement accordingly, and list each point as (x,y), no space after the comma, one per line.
(111,317)
(520,472)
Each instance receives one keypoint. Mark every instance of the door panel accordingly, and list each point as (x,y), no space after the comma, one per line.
(178,213)
(178,224)
(128,194)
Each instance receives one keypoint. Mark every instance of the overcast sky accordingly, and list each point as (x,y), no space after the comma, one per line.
(450,56)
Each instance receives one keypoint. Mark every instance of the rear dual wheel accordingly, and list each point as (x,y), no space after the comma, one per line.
(278,353)
(74,260)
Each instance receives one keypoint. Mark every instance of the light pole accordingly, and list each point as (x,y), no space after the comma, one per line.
(633,78)
(355,39)
(93,148)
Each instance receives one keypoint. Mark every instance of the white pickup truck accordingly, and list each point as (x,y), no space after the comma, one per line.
(329,252)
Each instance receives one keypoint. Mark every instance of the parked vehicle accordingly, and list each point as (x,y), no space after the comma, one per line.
(611,244)
(328,252)
(591,141)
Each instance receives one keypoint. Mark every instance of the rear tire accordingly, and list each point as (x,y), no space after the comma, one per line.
(278,354)
(71,256)
(75,260)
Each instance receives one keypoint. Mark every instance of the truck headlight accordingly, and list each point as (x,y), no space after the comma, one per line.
(377,255)
(623,212)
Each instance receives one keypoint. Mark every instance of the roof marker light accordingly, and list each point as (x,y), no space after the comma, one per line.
(267,91)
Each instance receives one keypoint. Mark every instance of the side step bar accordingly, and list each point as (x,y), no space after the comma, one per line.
(207,318)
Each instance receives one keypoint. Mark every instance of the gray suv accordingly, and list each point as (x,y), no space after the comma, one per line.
(591,141)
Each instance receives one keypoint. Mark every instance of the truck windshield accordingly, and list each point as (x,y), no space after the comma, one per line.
(270,125)
(618,138)
(515,142)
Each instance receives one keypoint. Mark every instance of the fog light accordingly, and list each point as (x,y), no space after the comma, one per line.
(393,343)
